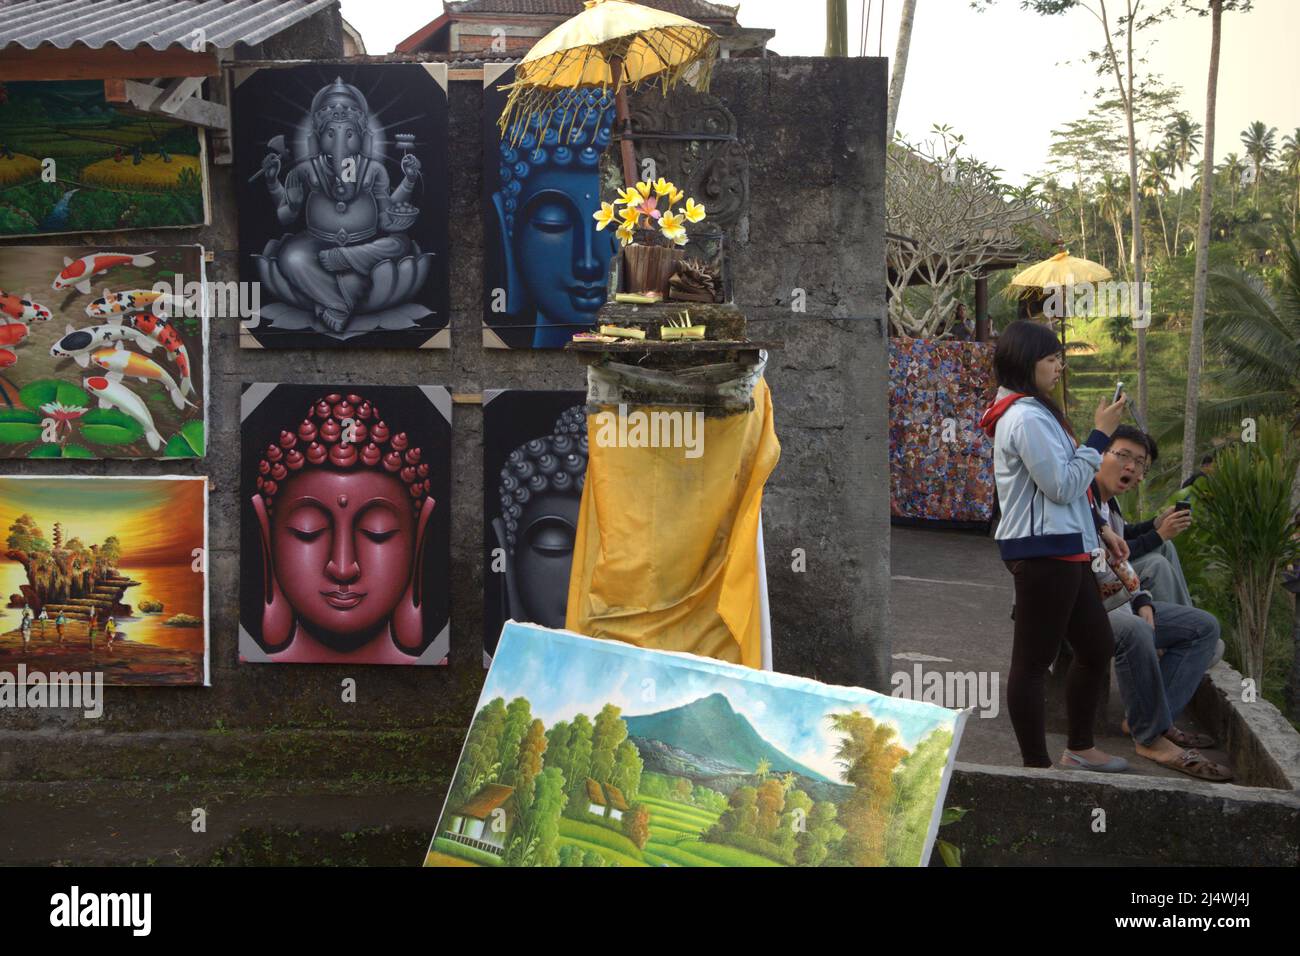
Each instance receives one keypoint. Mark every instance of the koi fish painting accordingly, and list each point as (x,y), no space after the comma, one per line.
(109,361)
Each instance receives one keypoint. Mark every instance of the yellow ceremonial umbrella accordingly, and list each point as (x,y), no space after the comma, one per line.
(1061,269)
(1060,272)
(611,43)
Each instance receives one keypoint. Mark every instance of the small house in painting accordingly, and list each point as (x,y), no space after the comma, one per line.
(484,819)
(605,800)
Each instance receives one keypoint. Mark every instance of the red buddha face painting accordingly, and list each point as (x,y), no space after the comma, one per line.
(346,492)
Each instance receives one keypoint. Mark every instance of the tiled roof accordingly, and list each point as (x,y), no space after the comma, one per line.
(481,805)
(156,23)
(691,9)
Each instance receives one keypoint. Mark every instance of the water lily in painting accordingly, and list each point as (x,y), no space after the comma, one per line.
(63,415)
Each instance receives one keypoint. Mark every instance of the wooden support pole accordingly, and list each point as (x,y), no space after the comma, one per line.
(624,117)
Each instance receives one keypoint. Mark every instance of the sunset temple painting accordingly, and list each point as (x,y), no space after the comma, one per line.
(105,575)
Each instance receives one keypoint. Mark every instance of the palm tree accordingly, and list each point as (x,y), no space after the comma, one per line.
(1200,273)
(905,22)
(1182,140)
(1112,193)
(1291,163)
(1256,335)
(1260,146)
(1155,183)
(1233,167)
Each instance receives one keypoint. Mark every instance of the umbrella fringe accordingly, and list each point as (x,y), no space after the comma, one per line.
(535,93)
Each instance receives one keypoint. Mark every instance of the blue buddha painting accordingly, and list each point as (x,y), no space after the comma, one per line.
(547,265)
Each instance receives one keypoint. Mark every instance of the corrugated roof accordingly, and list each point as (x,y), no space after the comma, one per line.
(156,23)
(692,9)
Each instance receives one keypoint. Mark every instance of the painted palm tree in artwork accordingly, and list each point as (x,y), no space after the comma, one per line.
(1260,144)
(1290,157)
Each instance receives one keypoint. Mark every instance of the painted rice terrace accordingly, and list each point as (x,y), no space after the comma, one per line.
(94,363)
(111,169)
(69,604)
(694,785)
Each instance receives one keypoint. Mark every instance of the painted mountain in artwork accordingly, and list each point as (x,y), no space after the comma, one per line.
(710,728)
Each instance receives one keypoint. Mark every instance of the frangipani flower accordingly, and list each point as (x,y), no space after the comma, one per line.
(628,197)
(625,233)
(664,188)
(630,216)
(675,197)
(694,211)
(644,189)
(650,207)
(672,227)
(604,217)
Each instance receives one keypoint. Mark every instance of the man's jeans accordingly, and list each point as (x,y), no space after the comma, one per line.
(1156,689)
(1162,575)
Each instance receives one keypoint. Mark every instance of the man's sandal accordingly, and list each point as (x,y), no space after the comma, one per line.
(1192,763)
(1180,737)
(1189,740)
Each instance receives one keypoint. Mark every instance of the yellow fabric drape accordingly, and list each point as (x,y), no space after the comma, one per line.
(666,550)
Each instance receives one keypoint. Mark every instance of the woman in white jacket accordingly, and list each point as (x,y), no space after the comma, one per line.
(1049,538)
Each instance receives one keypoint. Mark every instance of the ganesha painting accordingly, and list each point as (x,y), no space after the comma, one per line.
(342,218)
(345,525)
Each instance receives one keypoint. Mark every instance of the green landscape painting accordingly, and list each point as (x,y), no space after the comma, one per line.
(596,753)
(72,162)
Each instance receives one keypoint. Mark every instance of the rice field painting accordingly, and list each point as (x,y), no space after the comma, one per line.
(71,162)
(590,753)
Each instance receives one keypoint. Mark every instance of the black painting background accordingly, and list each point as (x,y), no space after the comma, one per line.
(510,328)
(509,420)
(405,408)
(264,106)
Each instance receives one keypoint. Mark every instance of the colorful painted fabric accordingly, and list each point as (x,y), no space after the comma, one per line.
(940,463)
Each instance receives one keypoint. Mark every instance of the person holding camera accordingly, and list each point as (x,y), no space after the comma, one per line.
(1162,649)
(1151,543)
(1047,535)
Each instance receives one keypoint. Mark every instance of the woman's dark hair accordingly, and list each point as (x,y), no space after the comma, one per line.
(1022,345)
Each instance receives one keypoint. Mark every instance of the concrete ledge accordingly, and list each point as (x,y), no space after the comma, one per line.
(298,822)
(377,757)
(1265,747)
(1047,817)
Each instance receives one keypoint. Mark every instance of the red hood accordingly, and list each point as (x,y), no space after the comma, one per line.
(989,420)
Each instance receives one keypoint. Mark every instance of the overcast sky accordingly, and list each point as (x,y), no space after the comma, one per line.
(1004,77)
